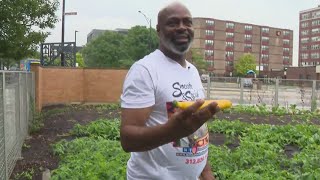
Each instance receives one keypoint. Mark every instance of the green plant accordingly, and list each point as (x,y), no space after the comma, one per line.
(27,175)
(37,118)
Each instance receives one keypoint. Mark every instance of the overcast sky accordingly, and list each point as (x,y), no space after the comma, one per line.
(112,14)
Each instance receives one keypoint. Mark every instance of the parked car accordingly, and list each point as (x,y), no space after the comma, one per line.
(204,78)
(247,82)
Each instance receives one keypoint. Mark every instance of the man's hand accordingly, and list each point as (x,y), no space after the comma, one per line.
(186,122)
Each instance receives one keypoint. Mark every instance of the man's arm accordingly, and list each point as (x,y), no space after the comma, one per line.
(136,136)
(207,173)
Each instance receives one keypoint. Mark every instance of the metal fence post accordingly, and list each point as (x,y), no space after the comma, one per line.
(4,128)
(208,87)
(276,93)
(241,91)
(313,96)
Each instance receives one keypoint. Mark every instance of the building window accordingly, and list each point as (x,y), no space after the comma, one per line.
(210,63)
(303,48)
(229,35)
(209,22)
(247,37)
(209,42)
(304,24)
(265,56)
(229,63)
(248,27)
(286,33)
(265,39)
(313,47)
(304,56)
(315,39)
(265,30)
(208,52)
(264,48)
(247,46)
(286,41)
(315,23)
(286,58)
(304,40)
(305,16)
(315,30)
(229,44)
(230,25)
(305,32)
(315,14)
(315,56)
(209,32)
(229,54)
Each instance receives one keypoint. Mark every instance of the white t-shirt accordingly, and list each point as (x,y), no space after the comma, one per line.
(156,80)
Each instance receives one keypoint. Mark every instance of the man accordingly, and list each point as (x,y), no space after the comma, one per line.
(165,145)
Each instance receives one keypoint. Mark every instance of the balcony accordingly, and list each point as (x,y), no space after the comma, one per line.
(265,60)
(229,58)
(229,68)
(247,50)
(248,32)
(229,30)
(248,41)
(286,53)
(229,48)
(229,39)
(266,51)
(265,42)
(286,45)
(265,34)
(286,36)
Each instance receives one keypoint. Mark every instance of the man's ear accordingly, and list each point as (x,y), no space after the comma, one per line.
(158,28)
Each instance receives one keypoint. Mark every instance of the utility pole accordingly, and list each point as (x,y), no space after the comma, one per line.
(150,33)
(62,34)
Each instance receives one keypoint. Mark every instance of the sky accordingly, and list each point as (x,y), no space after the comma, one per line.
(112,14)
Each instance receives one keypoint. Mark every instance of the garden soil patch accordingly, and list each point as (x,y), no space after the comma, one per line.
(59,120)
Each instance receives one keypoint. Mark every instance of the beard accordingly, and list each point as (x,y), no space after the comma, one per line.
(177,48)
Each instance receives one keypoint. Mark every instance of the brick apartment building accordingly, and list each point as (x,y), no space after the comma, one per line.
(223,42)
(309,37)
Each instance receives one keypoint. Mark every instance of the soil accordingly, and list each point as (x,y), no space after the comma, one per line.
(59,120)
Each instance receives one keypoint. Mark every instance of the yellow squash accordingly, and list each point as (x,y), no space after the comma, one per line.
(223,104)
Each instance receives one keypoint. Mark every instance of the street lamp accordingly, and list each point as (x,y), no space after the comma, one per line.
(75,38)
(62,33)
(149,22)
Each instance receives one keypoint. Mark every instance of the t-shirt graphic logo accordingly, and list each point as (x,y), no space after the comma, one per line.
(185,91)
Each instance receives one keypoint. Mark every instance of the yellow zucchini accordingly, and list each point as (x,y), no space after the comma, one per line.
(222,104)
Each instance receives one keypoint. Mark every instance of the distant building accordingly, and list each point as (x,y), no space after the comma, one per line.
(97,32)
(223,42)
(309,37)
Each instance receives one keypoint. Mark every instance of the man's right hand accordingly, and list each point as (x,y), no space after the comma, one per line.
(186,122)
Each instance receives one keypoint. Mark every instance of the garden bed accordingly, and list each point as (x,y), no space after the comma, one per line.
(230,130)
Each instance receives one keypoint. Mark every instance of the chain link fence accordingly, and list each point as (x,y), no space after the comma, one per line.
(303,94)
(17,92)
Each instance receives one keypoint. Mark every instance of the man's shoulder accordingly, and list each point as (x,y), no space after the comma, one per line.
(151,60)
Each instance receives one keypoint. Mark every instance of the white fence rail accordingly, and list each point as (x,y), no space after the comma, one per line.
(17,92)
(303,94)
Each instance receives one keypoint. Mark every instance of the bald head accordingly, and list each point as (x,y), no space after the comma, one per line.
(170,8)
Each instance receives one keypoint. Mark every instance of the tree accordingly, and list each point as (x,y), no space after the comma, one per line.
(117,50)
(137,42)
(198,61)
(21,25)
(79,60)
(245,63)
(106,50)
